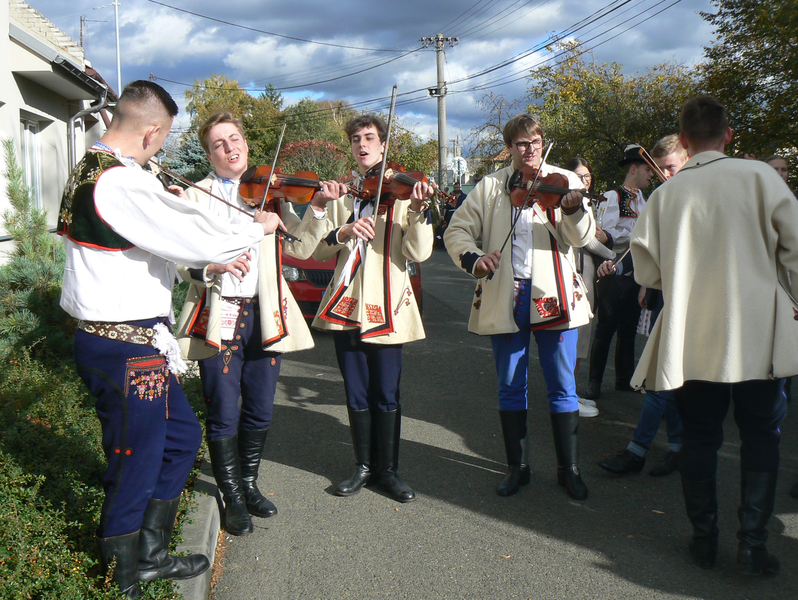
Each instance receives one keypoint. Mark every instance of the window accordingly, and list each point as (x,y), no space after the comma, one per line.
(30,160)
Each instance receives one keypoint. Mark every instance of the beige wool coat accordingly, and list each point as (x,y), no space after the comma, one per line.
(720,240)
(283,328)
(559,296)
(378,299)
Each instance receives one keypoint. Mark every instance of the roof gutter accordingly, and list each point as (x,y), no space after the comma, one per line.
(71,145)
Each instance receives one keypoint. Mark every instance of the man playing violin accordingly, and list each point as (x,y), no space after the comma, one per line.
(618,307)
(122,235)
(238,320)
(371,308)
(536,289)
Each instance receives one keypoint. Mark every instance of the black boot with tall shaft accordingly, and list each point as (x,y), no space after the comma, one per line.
(758,496)
(565,427)
(250,451)
(701,502)
(515,446)
(360,428)
(155,562)
(227,472)
(119,557)
(389,428)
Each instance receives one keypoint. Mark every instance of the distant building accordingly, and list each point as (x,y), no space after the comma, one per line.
(50,99)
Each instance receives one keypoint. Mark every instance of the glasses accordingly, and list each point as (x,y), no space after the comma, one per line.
(525,146)
(585,178)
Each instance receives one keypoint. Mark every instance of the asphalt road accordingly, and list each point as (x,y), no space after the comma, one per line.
(460,540)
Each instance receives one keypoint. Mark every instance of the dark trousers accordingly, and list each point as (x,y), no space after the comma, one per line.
(371,372)
(150,433)
(242,369)
(618,310)
(759,409)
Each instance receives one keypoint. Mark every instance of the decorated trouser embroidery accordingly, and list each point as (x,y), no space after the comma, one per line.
(149,454)
(557,352)
(371,372)
(242,369)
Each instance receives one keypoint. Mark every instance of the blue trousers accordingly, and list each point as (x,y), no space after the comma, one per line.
(557,352)
(371,372)
(759,409)
(655,405)
(150,433)
(242,369)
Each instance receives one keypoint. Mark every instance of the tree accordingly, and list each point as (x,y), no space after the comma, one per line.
(407,149)
(486,139)
(594,110)
(214,94)
(187,158)
(325,159)
(752,68)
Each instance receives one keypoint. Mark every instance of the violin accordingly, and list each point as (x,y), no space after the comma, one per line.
(548,190)
(398,182)
(297,188)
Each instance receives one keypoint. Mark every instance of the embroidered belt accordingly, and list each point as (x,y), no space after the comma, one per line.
(121,332)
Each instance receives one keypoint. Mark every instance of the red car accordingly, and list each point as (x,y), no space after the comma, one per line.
(309,278)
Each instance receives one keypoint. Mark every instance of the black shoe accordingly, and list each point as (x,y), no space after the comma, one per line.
(565,427)
(794,490)
(389,428)
(227,472)
(155,562)
(757,561)
(360,428)
(512,482)
(701,504)
(622,463)
(669,464)
(250,451)
(593,391)
(515,446)
(623,386)
(119,557)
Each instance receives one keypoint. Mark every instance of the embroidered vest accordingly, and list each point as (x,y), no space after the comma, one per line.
(624,198)
(77,217)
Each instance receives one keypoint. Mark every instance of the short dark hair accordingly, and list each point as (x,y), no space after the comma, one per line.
(523,123)
(703,119)
(147,91)
(213,120)
(357,123)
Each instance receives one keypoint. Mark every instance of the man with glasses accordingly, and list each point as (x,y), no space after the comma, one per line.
(531,286)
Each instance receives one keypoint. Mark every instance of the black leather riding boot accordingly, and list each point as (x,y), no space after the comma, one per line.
(389,427)
(120,556)
(360,428)
(250,451)
(624,363)
(565,427)
(227,472)
(516,447)
(155,562)
(701,502)
(756,507)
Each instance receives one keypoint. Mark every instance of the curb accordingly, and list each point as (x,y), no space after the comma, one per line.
(201,534)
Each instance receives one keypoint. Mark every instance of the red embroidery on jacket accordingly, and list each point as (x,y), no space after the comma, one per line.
(374,313)
(547,307)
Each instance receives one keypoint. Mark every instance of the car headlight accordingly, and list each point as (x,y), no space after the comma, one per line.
(412,268)
(293,273)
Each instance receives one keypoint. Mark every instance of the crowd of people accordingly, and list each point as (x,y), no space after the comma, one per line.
(128,239)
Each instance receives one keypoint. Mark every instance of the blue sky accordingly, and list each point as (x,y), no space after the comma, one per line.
(355,50)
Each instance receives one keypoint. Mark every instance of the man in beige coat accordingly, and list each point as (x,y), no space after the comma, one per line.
(239,319)
(719,239)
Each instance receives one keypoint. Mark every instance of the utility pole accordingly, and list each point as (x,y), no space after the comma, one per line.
(439,92)
(118,57)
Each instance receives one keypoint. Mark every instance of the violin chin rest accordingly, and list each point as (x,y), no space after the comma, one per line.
(248,174)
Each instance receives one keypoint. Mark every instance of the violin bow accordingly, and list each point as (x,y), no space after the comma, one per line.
(274,164)
(518,216)
(650,162)
(385,151)
(285,234)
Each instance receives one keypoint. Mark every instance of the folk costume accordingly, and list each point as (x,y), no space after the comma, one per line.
(618,308)
(122,235)
(536,289)
(372,311)
(238,331)
(719,240)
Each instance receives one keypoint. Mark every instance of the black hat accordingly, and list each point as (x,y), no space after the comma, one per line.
(631,154)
